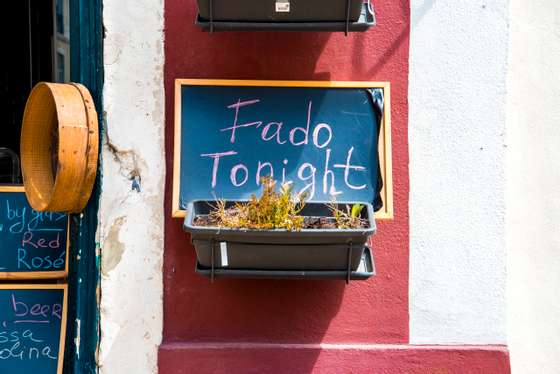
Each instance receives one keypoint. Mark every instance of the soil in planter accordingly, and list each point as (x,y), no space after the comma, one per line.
(279,210)
(308,222)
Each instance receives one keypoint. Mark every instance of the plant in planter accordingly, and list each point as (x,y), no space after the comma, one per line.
(279,210)
(279,231)
(350,218)
(272,210)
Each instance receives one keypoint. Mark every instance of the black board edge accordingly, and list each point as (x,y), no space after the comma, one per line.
(365,271)
(366,20)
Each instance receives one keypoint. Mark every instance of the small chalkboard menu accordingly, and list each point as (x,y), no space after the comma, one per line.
(32,328)
(33,245)
(330,140)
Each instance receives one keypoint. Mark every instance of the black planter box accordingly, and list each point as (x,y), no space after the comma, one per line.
(366,20)
(365,270)
(266,10)
(307,249)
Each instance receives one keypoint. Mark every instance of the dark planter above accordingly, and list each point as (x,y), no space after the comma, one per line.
(285,15)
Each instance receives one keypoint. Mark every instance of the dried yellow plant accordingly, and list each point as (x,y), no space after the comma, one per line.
(347,219)
(272,210)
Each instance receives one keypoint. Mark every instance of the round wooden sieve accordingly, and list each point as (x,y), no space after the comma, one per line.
(59,147)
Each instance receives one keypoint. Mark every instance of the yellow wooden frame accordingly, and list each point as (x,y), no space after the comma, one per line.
(63,321)
(384,148)
(7,275)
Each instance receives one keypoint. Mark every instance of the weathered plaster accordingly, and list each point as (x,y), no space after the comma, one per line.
(112,258)
(457,92)
(533,199)
(131,214)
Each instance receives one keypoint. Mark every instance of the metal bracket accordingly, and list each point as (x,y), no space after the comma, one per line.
(349,265)
(211,12)
(347,27)
(212,272)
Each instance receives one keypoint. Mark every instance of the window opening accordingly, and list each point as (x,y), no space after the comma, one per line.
(39,41)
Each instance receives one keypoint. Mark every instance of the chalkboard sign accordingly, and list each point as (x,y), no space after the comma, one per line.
(323,137)
(32,328)
(32,244)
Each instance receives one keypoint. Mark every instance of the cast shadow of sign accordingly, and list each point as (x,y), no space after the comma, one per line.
(192,53)
(239,311)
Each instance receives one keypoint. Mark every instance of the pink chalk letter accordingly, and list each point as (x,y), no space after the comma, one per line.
(347,167)
(235,126)
(216,157)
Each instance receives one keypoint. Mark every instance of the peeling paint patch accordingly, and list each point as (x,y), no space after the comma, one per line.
(127,159)
(113,247)
(77,338)
(136,183)
(109,335)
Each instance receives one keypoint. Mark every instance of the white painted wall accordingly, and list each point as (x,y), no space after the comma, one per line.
(131,222)
(533,195)
(457,95)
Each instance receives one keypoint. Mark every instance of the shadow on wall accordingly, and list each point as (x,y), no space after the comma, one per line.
(244,310)
(249,310)
(228,54)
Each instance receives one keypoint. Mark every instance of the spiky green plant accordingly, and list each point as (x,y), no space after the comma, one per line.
(272,210)
(347,219)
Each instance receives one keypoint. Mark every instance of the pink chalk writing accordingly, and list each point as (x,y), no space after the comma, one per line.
(310,186)
(216,165)
(233,175)
(347,167)
(320,173)
(235,126)
(35,241)
(276,134)
(305,130)
(34,313)
(329,188)
(318,128)
(259,175)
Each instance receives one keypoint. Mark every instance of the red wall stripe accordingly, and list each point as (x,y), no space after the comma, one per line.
(183,359)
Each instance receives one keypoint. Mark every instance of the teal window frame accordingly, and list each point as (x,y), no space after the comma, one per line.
(86,64)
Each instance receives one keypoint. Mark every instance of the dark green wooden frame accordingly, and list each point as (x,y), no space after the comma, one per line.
(86,46)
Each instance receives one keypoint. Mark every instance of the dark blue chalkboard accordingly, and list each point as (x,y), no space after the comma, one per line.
(323,140)
(30,241)
(32,322)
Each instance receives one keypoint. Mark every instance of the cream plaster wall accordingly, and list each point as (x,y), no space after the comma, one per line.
(457,95)
(533,193)
(131,214)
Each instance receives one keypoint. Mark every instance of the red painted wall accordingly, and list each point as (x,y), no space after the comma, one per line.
(374,311)
(262,359)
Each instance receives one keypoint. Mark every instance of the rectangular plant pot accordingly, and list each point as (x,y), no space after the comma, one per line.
(306,249)
(266,10)
(365,270)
